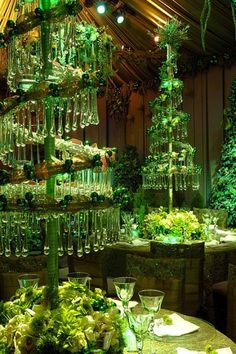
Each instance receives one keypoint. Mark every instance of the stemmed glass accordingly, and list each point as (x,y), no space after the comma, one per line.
(151,301)
(26,280)
(80,277)
(139,322)
(124,289)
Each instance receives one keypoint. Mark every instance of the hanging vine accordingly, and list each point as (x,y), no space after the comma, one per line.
(205,15)
(233,8)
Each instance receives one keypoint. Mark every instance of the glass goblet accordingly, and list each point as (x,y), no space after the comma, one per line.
(81,277)
(124,289)
(139,323)
(151,301)
(26,280)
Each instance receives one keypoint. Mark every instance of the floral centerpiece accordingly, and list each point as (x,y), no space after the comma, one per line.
(84,322)
(176,226)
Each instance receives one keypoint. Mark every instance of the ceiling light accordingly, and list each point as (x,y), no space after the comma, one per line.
(120,17)
(101,7)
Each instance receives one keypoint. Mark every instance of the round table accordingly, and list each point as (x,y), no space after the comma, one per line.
(207,334)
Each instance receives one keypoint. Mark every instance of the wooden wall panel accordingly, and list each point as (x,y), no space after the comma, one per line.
(116,132)
(135,122)
(200,128)
(188,106)
(214,123)
(229,76)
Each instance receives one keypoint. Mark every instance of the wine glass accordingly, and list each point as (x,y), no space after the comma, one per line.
(26,280)
(151,301)
(81,277)
(124,289)
(139,323)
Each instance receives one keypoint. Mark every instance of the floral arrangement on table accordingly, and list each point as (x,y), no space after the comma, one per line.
(176,226)
(83,322)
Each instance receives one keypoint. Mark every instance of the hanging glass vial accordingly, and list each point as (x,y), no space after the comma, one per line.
(195,181)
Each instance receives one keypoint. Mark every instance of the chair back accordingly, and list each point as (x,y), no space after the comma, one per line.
(231,303)
(159,274)
(193,254)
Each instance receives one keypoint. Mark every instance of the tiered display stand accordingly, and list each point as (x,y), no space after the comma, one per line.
(47,180)
(170,165)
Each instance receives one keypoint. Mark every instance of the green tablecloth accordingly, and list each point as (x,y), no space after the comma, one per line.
(198,340)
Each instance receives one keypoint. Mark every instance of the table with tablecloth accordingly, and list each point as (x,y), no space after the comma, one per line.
(197,341)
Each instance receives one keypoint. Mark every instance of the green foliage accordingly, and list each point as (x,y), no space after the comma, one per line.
(173,33)
(175,226)
(127,170)
(81,323)
(223,193)
(123,198)
(210,350)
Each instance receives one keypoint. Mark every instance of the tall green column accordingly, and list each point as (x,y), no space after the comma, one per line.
(49,148)
(170,131)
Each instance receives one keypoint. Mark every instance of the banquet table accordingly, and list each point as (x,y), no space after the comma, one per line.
(197,341)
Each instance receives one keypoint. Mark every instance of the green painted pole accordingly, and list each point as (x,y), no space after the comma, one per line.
(170,132)
(49,148)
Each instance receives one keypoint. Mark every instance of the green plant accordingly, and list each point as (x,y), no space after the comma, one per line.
(176,226)
(223,193)
(127,169)
(82,322)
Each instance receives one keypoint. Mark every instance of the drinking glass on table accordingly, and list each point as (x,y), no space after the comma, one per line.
(26,280)
(124,289)
(151,301)
(139,323)
(81,277)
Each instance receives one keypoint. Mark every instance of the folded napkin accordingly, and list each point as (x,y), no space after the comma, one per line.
(225,232)
(187,351)
(228,238)
(178,327)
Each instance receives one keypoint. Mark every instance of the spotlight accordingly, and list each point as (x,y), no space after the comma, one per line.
(120,17)
(101,7)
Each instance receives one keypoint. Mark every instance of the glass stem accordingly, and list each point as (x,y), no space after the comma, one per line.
(139,343)
(125,304)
